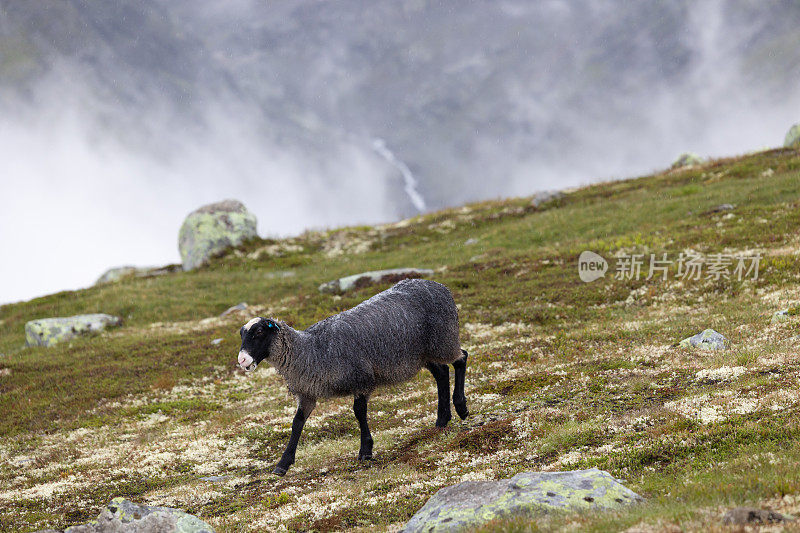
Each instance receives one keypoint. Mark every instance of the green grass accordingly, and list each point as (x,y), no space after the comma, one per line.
(562,374)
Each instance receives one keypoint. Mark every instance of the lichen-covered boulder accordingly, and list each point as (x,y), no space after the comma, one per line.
(50,331)
(123,516)
(707,340)
(688,159)
(212,229)
(356,281)
(472,503)
(792,139)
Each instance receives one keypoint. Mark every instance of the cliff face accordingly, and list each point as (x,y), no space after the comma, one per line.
(477,99)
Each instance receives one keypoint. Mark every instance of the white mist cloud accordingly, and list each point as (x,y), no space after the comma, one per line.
(73,203)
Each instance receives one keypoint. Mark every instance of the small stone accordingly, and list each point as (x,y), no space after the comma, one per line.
(543,197)
(780,316)
(722,207)
(357,281)
(280,274)
(215,342)
(215,479)
(115,274)
(707,340)
(751,515)
(470,242)
(238,307)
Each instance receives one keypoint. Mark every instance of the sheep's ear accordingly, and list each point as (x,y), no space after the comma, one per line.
(273,326)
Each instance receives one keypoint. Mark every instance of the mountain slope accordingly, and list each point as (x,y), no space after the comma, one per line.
(563,374)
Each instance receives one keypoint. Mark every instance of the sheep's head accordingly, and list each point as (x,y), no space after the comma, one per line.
(258,338)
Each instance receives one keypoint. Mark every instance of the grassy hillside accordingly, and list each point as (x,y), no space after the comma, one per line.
(563,374)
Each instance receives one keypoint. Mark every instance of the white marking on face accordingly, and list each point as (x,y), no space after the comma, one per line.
(246,361)
(250,324)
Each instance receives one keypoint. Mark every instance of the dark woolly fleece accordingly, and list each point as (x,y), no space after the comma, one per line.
(386,339)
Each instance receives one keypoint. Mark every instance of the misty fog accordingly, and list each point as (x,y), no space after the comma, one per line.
(118,120)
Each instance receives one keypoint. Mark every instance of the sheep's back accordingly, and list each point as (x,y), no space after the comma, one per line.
(394,333)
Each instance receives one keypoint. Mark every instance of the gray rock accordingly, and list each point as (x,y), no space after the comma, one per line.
(115,274)
(238,307)
(688,159)
(280,274)
(123,516)
(471,241)
(543,197)
(215,342)
(215,479)
(50,331)
(118,273)
(707,340)
(212,229)
(780,316)
(472,503)
(750,515)
(786,314)
(722,207)
(792,139)
(357,281)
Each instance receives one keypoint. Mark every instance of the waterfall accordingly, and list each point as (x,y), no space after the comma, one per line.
(379,145)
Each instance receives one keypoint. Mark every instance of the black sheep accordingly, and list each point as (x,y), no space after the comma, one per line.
(384,340)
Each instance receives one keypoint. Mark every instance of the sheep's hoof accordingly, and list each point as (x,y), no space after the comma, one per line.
(365,457)
(279,471)
(441,423)
(462,411)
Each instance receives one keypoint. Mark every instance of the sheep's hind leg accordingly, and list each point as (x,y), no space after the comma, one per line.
(441,373)
(459,400)
(360,410)
(304,408)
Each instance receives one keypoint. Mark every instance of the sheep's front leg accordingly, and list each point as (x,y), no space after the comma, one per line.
(304,408)
(360,410)
(441,373)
